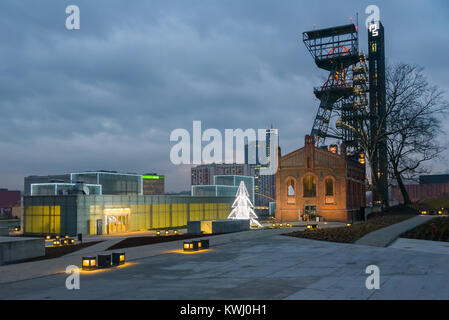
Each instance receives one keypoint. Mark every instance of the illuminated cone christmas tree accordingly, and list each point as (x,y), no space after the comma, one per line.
(243,209)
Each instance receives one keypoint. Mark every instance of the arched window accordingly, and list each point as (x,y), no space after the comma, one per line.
(291,188)
(329,187)
(309,186)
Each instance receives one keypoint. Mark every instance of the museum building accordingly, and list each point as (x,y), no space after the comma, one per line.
(317,182)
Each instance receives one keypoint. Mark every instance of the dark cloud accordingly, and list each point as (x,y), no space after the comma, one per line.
(107,96)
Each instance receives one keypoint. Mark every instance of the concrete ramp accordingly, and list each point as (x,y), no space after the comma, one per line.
(385,236)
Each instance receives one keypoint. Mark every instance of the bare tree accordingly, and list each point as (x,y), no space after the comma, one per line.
(414,123)
(410,127)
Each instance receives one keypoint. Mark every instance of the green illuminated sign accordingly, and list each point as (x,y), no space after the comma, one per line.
(152,177)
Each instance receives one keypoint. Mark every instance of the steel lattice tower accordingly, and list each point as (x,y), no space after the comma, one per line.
(345,91)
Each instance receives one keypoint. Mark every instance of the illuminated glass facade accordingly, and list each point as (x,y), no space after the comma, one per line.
(107,214)
(214,191)
(112,183)
(55,189)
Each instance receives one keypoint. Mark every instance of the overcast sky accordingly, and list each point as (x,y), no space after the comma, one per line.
(107,96)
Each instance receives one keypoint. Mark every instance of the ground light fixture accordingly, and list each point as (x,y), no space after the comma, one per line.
(175,232)
(47,237)
(158,233)
(312,226)
(118,258)
(16,229)
(424,212)
(66,237)
(72,241)
(56,243)
(348,224)
(167,232)
(64,242)
(104,261)
(196,245)
(89,263)
(190,246)
(281,225)
(57,237)
(199,244)
(204,244)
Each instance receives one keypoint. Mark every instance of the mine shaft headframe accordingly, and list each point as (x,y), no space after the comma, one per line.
(333,48)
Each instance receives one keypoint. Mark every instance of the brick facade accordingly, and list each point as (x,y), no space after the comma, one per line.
(339,181)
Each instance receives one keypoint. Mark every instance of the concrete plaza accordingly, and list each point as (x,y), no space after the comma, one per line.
(248,265)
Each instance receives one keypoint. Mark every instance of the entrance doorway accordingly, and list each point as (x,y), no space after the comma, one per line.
(117,224)
(310,213)
(117,220)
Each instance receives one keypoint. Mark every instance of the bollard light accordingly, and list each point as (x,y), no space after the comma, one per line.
(118,258)
(158,233)
(167,232)
(204,244)
(64,242)
(72,241)
(191,246)
(175,232)
(198,244)
(89,263)
(56,243)
(104,261)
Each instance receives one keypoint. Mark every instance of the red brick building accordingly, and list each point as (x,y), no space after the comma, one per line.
(9,204)
(418,192)
(316,182)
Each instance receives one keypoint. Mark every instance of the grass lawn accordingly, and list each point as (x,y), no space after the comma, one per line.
(358,230)
(424,232)
(146,240)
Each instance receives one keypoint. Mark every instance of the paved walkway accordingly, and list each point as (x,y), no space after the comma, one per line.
(385,236)
(421,245)
(255,265)
(42,268)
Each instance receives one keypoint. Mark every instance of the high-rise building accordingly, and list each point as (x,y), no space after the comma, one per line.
(265,185)
(203,175)
(153,184)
